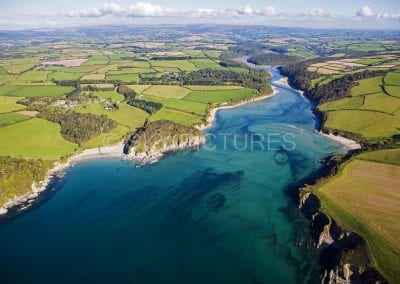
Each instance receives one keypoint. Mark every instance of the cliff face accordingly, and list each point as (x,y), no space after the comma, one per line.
(344,256)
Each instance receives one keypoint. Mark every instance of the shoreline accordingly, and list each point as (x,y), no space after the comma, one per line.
(58,170)
(351,145)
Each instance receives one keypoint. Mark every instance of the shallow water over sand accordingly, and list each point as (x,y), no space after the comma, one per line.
(216,215)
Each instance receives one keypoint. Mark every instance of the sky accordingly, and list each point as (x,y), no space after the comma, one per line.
(360,14)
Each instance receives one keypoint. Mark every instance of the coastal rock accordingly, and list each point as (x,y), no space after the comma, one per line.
(344,257)
(156,138)
(153,154)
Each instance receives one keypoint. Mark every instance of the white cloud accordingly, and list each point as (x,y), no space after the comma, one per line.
(105,10)
(366,12)
(316,12)
(145,9)
(51,22)
(111,8)
(140,9)
(245,11)
(268,11)
(388,16)
(110,12)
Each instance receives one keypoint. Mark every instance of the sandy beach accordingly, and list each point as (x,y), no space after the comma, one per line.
(283,81)
(101,152)
(348,143)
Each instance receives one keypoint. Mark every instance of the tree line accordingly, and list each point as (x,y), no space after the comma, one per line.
(272,59)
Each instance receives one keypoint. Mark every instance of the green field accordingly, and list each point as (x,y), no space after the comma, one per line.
(63,76)
(126,78)
(393,90)
(381,102)
(219,96)
(368,61)
(212,53)
(240,69)
(205,63)
(139,88)
(390,156)
(183,65)
(115,97)
(365,197)
(392,78)
(126,115)
(182,105)
(176,116)
(167,91)
(369,124)
(17,66)
(368,86)
(347,103)
(11,117)
(31,76)
(136,64)
(34,138)
(212,88)
(166,69)
(8,104)
(96,60)
(130,71)
(35,91)
(366,46)
(96,76)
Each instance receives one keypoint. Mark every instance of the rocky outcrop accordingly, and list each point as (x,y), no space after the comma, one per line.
(152,154)
(344,256)
(157,138)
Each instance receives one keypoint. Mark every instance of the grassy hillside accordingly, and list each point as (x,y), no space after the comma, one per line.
(34,138)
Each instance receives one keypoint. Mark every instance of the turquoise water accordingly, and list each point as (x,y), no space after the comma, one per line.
(216,215)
